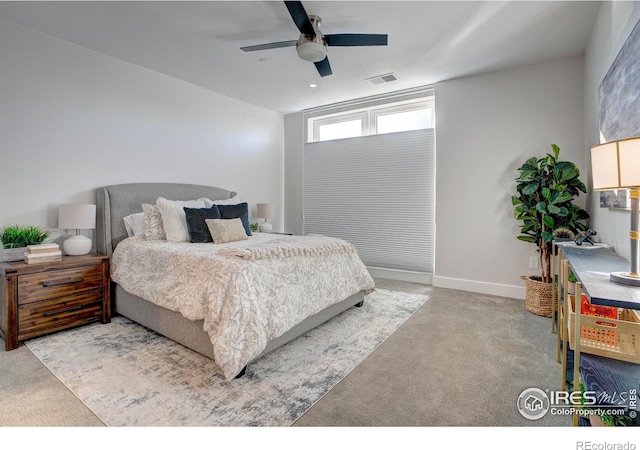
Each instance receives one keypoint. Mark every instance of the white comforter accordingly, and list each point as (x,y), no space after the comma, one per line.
(247,292)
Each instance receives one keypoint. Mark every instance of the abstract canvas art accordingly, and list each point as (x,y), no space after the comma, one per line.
(619,93)
(619,104)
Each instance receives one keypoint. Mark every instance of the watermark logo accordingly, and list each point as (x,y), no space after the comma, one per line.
(533,403)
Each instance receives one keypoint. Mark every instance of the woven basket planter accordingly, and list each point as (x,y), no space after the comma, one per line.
(539,296)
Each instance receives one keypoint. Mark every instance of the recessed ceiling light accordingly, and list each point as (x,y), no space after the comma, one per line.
(313,85)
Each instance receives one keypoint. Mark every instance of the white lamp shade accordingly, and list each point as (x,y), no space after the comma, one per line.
(604,166)
(265,210)
(629,151)
(616,165)
(77,216)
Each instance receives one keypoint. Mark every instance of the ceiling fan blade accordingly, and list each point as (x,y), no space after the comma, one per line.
(324,69)
(253,48)
(352,40)
(300,18)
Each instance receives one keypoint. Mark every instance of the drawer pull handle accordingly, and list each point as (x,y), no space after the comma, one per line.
(61,311)
(61,283)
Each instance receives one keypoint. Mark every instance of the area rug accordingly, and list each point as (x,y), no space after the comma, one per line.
(130,376)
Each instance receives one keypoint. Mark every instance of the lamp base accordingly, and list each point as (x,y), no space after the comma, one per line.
(266,227)
(627,278)
(77,245)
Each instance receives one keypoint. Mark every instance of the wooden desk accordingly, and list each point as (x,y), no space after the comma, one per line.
(592,267)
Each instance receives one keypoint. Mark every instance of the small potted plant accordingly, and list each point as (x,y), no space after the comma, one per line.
(254,227)
(15,238)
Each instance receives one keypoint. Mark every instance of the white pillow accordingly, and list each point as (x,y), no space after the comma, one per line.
(229,201)
(226,230)
(134,224)
(174,220)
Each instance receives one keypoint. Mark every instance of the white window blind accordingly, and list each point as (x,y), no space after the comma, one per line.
(377,192)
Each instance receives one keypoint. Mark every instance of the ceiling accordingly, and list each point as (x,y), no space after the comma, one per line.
(429,41)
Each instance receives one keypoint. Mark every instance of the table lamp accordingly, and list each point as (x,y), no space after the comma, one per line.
(616,165)
(79,217)
(265,210)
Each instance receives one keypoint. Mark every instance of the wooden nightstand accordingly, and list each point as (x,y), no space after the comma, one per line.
(37,299)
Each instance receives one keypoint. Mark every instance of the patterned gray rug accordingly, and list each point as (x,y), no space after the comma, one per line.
(130,376)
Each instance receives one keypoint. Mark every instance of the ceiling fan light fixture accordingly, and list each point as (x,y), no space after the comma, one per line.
(312,44)
(311,51)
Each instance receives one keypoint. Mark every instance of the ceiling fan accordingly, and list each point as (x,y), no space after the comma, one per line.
(312,44)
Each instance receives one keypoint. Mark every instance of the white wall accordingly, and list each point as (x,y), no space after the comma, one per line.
(487,126)
(293,171)
(613,25)
(72,119)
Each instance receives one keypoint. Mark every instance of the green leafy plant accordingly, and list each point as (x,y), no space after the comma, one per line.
(254,226)
(546,190)
(16,236)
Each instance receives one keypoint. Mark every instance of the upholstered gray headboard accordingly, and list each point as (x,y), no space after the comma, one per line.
(117,201)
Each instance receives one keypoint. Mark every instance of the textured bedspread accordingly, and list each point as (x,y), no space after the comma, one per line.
(247,292)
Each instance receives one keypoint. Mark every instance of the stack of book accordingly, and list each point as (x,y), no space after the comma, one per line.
(42,253)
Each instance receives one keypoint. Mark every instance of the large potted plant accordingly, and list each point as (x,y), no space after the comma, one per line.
(545,193)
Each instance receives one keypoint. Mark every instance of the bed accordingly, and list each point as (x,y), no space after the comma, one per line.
(234,292)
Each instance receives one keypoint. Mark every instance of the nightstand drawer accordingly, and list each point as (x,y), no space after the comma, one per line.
(59,283)
(57,314)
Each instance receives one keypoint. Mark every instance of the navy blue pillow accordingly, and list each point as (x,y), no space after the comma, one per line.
(239,211)
(196,225)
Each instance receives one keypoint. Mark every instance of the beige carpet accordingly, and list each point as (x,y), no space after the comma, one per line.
(462,360)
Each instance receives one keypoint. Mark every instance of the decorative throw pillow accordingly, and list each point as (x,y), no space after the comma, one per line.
(134,224)
(228,201)
(153,229)
(226,230)
(198,230)
(238,211)
(174,219)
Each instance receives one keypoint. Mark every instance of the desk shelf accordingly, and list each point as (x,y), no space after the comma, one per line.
(591,363)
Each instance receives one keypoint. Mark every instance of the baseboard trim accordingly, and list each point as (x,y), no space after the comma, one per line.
(500,290)
(481,287)
(401,275)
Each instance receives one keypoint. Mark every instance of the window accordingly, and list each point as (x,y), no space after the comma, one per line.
(340,130)
(369,178)
(340,126)
(376,118)
(392,122)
